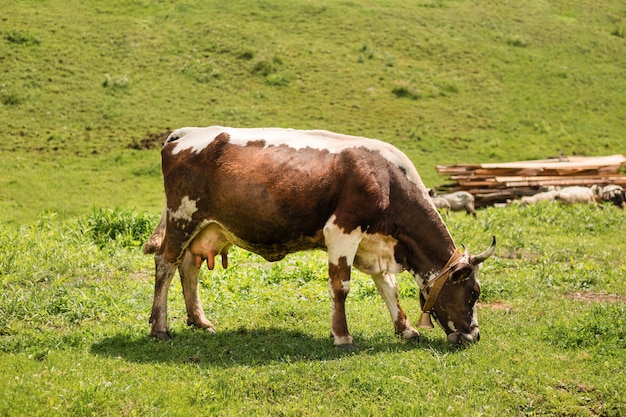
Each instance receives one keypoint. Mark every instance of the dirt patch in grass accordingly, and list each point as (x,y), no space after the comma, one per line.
(152,140)
(593,297)
(521,254)
(142,275)
(497,305)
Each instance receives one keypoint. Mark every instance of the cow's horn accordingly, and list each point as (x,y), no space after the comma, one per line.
(464,250)
(425,322)
(486,254)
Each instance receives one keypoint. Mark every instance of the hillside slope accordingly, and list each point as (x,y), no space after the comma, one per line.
(447,81)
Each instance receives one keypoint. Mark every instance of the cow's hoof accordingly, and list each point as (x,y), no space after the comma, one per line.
(347,347)
(202,325)
(343,341)
(163,335)
(410,334)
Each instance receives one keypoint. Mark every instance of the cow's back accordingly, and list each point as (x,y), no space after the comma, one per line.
(273,195)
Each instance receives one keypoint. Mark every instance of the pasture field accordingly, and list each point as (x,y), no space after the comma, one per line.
(75,335)
(86,85)
(88,89)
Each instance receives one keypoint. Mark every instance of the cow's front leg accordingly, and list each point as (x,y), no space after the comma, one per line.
(189,272)
(388,290)
(163,277)
(339,285)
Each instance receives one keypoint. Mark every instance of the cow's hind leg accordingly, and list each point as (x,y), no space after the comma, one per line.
(388,290)
(163,277)
(189,272)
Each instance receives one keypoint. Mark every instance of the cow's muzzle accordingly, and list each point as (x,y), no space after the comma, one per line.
(465,338)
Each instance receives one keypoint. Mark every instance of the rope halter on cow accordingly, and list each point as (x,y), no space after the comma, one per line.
(435,286)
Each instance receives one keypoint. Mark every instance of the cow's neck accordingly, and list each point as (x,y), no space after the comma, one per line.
(427,251)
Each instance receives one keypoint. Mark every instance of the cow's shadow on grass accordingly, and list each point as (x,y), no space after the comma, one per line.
(252,347)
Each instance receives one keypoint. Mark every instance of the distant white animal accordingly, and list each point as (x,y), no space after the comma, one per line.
(577,194)
(440,202)
(456,201)
(536,198)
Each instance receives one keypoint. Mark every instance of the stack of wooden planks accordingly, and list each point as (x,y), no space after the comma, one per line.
(498,183)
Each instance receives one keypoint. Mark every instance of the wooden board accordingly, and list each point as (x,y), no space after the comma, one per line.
(500,182)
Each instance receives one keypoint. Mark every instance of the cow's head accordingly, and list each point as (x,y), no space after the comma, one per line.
(451,297)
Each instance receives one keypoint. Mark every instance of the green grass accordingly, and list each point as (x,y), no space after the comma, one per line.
(75,335)
(70,186)
(88,89)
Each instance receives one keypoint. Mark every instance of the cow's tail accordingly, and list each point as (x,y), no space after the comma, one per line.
(156,239)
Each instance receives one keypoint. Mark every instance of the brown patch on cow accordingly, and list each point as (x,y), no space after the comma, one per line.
(338,275)
(152,140)
(255,143)
(592,297)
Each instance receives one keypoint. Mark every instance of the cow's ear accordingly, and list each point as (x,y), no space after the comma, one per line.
(461,273)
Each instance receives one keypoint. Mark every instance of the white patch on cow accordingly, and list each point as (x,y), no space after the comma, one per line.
(345,286)
(340,244)
(474,322)
(198,138)
(376,254)
(423,279)
(451,326)
(185,211)
(388,289)
(194,138)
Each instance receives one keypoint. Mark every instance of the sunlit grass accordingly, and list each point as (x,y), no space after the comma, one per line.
(74,332)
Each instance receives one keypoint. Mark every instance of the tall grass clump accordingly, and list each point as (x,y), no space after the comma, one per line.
(11,99)
(20,37)
(403,90)
(43,252)
(620,32)
(49,250)
(124,228)
(265,67)
(56,274)
(599,326)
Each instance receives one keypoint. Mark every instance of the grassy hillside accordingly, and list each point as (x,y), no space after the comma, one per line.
(447,81)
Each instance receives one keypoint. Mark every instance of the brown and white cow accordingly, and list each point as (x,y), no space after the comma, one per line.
(277,191)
